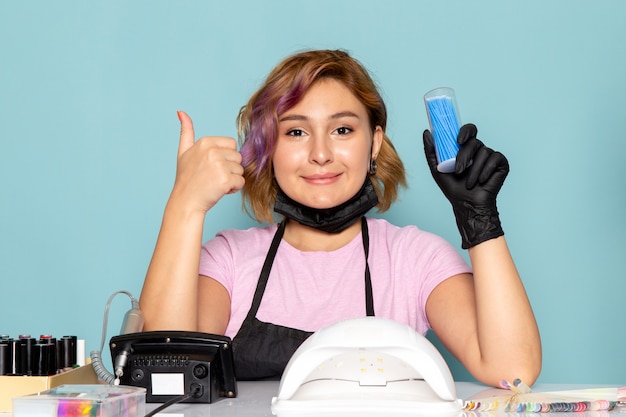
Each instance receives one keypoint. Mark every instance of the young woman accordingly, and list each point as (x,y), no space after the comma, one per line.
(314,151)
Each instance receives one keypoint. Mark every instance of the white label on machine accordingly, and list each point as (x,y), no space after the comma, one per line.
(168,384)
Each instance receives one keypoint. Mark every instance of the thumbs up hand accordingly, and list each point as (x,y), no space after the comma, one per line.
(207,168)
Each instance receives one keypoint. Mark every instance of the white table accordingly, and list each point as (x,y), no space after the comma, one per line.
(254,400)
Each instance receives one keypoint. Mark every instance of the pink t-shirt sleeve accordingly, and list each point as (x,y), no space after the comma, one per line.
(442,263)
(236,254)
(216,261)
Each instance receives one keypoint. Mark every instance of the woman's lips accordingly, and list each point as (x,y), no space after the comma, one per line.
(322,179)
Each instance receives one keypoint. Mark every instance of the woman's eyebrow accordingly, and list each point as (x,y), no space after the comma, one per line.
(344,114)
(299,117)
(291,117)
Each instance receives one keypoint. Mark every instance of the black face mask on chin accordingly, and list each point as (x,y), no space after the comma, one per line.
(330,220)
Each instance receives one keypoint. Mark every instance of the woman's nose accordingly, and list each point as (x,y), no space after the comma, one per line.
(321,150)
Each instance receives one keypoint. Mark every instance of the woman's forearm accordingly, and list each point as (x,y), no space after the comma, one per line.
(169,295)
(506,328)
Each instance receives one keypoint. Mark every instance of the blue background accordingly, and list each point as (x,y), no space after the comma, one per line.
(88,139)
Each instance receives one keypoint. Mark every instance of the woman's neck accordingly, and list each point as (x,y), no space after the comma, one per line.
(308,239)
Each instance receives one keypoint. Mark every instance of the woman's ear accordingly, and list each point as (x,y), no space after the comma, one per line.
(377,141)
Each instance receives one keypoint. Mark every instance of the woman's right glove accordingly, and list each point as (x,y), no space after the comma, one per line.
(473,187)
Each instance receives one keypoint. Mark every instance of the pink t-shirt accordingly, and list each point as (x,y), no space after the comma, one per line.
(309,290)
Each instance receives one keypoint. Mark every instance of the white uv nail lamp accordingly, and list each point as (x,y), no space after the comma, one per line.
(370,366)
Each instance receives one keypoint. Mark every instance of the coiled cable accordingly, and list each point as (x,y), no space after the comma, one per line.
(96,355)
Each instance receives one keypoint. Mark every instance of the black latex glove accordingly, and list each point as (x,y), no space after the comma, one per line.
(473,187)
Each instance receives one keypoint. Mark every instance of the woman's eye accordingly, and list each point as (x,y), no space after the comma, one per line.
(343,130)
(295,132)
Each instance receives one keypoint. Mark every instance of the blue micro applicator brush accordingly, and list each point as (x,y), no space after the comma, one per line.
(444,120)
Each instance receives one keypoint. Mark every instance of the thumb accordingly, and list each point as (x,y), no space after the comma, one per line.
(186,132)
(429,150)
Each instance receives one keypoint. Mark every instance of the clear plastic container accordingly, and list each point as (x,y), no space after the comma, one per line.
(445,122)
(89,400)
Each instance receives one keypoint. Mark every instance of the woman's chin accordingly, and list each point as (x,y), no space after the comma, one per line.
(322,204)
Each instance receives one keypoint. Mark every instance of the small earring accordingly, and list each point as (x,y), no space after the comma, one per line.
(373,166)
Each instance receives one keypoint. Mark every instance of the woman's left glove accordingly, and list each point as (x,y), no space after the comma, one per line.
(473,187)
